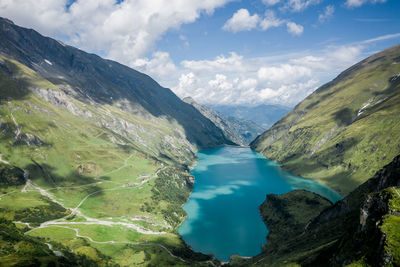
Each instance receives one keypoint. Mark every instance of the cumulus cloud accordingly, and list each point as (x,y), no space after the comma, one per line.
(233,79)
(358,3)
(241,21)
(160,66)
(270,21)
(327,14)
(232,63)
(347,54)
(294,29)
(283,74)
(123,31)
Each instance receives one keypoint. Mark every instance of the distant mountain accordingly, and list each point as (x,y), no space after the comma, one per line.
(360,230)
(346,130)
(263,115)
(241,132)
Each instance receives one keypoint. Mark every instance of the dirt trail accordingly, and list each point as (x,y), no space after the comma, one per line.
(122,242)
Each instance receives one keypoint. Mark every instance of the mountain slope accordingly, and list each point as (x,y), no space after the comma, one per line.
(94,155)
(346,130)
(241,132)
(93,79)
(362,229)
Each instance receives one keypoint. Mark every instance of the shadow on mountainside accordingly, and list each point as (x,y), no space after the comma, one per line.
(104,81)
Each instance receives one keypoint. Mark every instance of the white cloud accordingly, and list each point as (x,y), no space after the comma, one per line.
(241,21)
(299,5)
(232,63)
(283,74)
(270,21)
(381,38)
(294,29)
(285,80)
(346,54)
(123,32)
(328,13)
(271,2)
(160,66)
(358,3)
(185,40)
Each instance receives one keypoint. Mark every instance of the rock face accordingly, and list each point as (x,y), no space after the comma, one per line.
(362,228)
(241,132)
(346,130)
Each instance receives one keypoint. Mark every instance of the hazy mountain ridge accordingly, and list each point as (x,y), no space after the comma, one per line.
(346,130)
(263,115)
(241,132)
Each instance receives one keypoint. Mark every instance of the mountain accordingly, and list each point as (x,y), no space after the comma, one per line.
(360,230)
(241,132)
(96,81)
(263,115)
(346,130)
(93,157)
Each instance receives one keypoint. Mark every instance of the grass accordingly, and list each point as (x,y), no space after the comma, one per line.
(83,154)
(324,139)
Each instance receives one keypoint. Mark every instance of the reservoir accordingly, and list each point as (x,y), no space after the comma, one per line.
(230,184)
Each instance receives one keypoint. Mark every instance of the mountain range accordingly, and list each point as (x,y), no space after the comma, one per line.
(263,115)
(242,132)
(95,160)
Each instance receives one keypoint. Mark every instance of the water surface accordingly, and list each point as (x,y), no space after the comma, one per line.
(230,184)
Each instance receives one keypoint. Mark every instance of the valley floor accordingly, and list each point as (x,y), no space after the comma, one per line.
(101,219)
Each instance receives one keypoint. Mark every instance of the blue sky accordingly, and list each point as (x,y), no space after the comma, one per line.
(346,25)
(222,51)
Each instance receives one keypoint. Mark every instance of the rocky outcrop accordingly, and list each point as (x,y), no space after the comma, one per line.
(362,228)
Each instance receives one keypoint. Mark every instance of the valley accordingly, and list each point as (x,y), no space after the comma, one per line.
(102,166)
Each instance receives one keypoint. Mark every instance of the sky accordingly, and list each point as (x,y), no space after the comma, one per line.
(230,52)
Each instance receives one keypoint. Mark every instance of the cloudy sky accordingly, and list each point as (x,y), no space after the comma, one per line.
(222,51)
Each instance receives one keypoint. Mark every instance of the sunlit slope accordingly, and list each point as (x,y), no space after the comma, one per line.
(68,176)
(346,130)
(97,81)
(93,162)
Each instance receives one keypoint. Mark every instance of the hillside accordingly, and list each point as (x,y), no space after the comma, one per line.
(360,230)
(346,130)
(93,155)
(241,132)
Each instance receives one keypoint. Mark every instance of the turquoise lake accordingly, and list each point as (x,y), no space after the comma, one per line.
(230,184)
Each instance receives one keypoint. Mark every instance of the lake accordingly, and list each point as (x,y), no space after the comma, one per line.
(230,184)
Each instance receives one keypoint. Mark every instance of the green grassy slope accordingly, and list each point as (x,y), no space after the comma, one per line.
(87,166)
(346,130)
(73,181)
